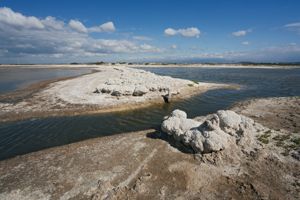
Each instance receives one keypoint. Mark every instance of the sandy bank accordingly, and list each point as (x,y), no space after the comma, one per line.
(278,113)
(148,165)
(109,89)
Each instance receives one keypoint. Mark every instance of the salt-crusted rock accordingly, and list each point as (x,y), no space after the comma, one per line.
(178,113)
(140,91)
(209,137)
(235,124)
(214,133)
(96,91)
(5,105)
(105,90)
(177,125)
(163,89)
(127,90)
(229,119)
(116,93)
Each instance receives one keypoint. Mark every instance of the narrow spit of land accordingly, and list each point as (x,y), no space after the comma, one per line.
(109,89)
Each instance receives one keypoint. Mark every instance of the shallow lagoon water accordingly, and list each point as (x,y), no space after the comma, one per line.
(35,134)
(15,78)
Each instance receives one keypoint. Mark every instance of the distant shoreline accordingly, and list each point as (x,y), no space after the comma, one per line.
(215,65)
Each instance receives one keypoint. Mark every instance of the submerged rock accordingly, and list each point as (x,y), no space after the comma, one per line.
(214,133)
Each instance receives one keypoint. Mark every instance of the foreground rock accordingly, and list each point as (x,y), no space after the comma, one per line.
(213,133)
(110,89)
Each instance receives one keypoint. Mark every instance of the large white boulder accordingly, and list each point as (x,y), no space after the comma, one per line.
(216,132)
(177,124)
(179,113)
(229,119)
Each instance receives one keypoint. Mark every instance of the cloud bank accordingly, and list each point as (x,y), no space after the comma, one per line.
(281,53)
(31,37)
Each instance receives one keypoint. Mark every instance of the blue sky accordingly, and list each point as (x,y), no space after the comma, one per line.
(53,31)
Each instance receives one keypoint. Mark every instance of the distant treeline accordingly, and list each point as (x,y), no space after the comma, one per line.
(174,63)
(269,63)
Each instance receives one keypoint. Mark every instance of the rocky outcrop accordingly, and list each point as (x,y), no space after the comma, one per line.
(212,133)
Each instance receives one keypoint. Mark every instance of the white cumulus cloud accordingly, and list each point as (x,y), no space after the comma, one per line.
(77,26)
(31,38)
(52,22)
(170,32)
(187,32)
(106,27)
(9,17)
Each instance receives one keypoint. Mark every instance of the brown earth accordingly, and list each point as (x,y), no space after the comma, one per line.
(276,113)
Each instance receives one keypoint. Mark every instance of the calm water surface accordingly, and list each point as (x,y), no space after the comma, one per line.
(16,78)
(35,134)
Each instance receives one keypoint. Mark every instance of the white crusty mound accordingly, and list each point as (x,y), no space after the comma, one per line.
(118,84)
(212,133)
